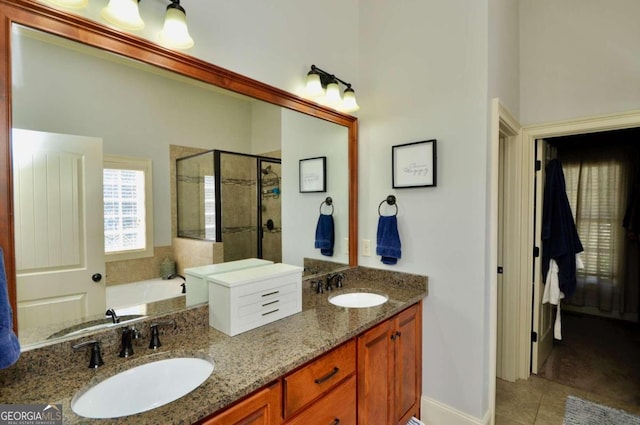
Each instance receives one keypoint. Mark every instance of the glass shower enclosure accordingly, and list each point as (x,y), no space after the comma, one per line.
(233,198)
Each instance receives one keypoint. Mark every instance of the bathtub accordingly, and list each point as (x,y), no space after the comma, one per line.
(127,297)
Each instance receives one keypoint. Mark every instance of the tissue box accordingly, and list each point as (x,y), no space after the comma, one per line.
(246,299)
(196,277)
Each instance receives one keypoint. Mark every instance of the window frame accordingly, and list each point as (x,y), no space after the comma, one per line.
(119,162)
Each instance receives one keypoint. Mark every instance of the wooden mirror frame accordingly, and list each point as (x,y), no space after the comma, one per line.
(44,18)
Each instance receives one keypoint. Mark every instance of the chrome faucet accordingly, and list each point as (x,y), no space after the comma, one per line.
(96,357)
(111,312)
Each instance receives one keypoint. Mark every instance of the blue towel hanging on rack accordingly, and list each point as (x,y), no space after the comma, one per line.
(9,345)
(388,240)
(325,235)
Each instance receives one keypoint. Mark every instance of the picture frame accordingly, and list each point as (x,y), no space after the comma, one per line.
(414,164)
(313,175)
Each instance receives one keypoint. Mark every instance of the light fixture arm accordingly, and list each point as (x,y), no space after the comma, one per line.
(326,78)
(175,4)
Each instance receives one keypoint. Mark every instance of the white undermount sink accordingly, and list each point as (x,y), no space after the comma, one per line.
(358,300)
(142,388)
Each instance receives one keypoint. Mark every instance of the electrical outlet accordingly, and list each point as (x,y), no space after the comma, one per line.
(366,248)
(345,247)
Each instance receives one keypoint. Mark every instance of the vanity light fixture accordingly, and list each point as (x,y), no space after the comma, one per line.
(325,88)
(125,14)
(175,32)
(71,4)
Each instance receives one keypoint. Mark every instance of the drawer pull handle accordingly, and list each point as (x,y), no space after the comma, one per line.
(336,421)
(270,293)
(272,302)
(327,377)
(269,312)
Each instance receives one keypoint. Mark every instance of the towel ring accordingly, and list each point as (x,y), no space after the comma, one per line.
(391,200)
(329,203)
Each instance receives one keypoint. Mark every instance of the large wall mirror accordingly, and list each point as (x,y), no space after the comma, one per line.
(63,75)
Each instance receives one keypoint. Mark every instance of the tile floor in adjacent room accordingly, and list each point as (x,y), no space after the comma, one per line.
(598,360)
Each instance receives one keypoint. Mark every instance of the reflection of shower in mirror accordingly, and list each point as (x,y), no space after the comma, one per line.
(273,182)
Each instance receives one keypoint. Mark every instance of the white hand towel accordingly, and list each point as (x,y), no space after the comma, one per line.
(552,294)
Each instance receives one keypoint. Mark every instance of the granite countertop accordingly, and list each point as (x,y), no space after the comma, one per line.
(243,363)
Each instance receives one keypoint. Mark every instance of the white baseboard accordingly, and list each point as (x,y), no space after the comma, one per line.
(432,412)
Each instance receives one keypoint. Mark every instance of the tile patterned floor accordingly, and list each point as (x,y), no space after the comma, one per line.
(597,360)
(539,401)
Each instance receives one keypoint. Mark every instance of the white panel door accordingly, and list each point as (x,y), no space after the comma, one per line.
(59,231)
(542,313)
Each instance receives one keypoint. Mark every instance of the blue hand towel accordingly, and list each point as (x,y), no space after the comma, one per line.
(9,345)
(388,241)
(325,235)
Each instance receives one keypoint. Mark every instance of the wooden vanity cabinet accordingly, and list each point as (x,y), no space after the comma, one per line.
(262,408)
(389,369)
(373,379)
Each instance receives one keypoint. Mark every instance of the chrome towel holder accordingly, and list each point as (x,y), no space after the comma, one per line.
(391,200)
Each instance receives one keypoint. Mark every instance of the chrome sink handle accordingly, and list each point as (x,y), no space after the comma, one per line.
(96,357)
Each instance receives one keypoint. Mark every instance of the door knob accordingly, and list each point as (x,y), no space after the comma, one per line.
(97,277)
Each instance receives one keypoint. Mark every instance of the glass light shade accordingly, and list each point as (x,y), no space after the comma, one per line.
(175,33)
(332,96)
(349,103)
(71,4)
(123,13)
(314,85)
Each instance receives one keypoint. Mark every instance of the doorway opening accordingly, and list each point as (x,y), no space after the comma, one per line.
(525,312)
(596,348)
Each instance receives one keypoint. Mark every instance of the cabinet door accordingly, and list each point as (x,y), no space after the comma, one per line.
(262,408)
(408,361)
(375,375)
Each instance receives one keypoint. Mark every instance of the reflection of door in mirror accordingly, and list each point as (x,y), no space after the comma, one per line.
(270,210)
(58,212)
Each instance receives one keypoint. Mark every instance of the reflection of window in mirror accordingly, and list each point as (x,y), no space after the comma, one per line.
(210,207)
(128,208)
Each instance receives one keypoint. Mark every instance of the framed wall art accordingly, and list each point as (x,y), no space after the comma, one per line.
(414,164)
(313,174)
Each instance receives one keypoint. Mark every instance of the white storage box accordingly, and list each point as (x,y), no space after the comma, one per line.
(196,277)
(246,299)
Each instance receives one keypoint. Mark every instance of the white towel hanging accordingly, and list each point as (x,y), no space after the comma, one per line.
(552,293)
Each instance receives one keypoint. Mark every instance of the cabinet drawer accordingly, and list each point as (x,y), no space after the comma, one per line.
(264,315)
(267,294)
(262,408)
(268,304)
(310,382)
(337,407)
